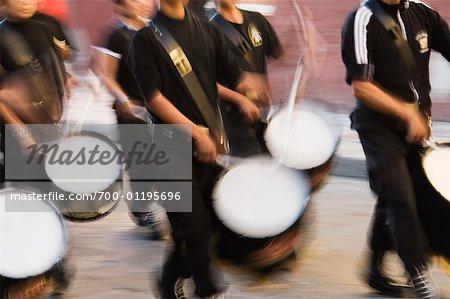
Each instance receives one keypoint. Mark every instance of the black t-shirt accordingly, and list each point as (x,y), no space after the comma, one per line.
(35,35)
(261,37)
(206,50)
(369,52)
(118,44)
(53,26)
(32,37)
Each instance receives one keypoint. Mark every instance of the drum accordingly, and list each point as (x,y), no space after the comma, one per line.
(432,184)
(260,205)
(85,169)
(32,245)
(303,140)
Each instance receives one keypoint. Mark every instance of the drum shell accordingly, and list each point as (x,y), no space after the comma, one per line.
(88,210)
(433,209)
(264,254)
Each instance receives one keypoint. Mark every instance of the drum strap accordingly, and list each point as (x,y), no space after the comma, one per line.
(236,38)
(392,27)
(210,114)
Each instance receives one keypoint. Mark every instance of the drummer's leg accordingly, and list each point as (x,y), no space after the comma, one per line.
(192,234)
(386,157)
(380,239)
(390,178)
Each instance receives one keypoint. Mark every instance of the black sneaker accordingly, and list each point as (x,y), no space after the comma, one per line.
(384,285)
(378,280)
(169,290)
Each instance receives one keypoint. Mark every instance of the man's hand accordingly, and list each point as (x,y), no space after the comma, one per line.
(249,109)
(125,110)
(417,125)
(205,146)
(255,87)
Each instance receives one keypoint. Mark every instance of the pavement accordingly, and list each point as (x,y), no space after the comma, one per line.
(114,258)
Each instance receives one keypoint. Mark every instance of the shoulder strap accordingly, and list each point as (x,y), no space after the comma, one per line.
(210,113)
(392,27)
(236,38)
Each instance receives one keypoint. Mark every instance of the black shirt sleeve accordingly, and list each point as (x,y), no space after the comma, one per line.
(226,61)
(117,43)
(272,44)
(440,34)
(357,50)
(141,60)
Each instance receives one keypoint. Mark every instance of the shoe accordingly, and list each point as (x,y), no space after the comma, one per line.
(155,221)
(169,290)
(423,283)
(379,281)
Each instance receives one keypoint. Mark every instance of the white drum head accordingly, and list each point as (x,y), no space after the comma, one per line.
(31,240)
(302,140)
(436,164)
(83,177)
(260,198)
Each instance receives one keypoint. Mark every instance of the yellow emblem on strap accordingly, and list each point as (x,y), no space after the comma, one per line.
(180,61)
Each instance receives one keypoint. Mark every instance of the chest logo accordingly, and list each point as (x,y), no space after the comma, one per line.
(255,36)
(422,39)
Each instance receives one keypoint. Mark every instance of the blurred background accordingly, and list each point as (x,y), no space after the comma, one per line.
(86,19)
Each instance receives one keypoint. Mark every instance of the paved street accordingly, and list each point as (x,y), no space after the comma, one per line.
(113,257)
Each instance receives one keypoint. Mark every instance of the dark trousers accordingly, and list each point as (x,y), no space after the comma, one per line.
(390,160)
(192,233)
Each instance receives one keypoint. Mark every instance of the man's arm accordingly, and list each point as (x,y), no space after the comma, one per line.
(378,100)
(161,107)
(247,107)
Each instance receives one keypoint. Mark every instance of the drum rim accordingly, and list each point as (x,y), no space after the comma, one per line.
(19,188)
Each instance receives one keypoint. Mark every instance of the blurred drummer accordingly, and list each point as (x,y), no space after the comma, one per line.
(32,86)
(32,81)
(130,17)
(258,41)
(392,120)
(201,53)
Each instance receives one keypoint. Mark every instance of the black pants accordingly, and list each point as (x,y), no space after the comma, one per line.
(192,233)
(390,161)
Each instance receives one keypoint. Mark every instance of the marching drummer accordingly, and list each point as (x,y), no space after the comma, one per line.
(32,81)
(391,118)
(32,86)
(251,37)
(130,17)
(169,98)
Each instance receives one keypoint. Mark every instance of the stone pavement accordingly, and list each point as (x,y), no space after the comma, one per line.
(113,257)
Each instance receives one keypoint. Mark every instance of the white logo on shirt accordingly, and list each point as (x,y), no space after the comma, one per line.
(255,35)
(422,39)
